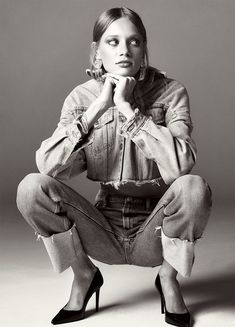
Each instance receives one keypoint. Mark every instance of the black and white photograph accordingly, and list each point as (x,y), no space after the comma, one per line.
(117,198)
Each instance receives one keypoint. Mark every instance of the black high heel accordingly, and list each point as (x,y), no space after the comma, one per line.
(176,319)
(65,316)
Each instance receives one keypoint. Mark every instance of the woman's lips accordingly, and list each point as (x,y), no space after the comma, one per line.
(124,64)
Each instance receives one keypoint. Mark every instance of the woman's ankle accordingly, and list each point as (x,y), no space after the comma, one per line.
(171,290)
(80,286)
(83,267)
(167,271)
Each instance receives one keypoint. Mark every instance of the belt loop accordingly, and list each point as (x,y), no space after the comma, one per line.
(148,204)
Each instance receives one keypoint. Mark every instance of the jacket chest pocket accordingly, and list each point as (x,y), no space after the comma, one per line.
(157,113)
(104,134)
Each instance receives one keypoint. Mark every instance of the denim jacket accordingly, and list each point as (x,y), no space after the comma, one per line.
(155,144)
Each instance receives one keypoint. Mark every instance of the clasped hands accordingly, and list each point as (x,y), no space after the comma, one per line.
(118,90)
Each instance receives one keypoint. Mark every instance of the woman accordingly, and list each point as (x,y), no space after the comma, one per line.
(129,127)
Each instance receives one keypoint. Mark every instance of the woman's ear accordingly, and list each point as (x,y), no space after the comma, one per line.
(94,46)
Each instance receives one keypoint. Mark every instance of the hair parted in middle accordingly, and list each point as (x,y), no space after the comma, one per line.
(101,25)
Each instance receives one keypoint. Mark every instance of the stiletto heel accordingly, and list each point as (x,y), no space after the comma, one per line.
(65,316)
(176,319)
(97,300)
(162,306)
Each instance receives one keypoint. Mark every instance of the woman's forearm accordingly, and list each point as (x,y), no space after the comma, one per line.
(95,111)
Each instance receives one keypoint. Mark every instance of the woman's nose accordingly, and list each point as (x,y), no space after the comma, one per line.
(124,49)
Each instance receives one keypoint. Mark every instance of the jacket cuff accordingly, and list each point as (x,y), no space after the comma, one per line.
(131,127)
(82,124)
(78,130)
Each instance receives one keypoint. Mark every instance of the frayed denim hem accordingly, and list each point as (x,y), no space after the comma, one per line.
(62,248)
(178,253)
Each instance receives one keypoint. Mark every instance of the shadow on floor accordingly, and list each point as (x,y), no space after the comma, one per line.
(212,293)
(90,312)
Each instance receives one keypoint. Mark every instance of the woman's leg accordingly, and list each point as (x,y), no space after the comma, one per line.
(171,289)
(71,229)
(178,220)
(84,271)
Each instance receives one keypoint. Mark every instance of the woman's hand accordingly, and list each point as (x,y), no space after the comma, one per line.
(123,93)
(106,95)
(102,103)
(124,86)
(117,90)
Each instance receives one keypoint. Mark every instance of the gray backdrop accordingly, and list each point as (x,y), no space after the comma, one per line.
(44,51)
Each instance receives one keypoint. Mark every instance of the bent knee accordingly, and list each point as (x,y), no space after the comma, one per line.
(28,184)
(27,191)
(195,188)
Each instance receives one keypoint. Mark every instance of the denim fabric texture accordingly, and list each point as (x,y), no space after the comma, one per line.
(117,229)
(153,150)
(153,145)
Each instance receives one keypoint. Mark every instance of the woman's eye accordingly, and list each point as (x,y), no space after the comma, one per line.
(113,42)
(135,42)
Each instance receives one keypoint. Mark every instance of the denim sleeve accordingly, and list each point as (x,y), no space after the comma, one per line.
(62,155)
(170,146)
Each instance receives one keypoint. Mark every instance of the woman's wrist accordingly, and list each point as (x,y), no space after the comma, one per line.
(125,108)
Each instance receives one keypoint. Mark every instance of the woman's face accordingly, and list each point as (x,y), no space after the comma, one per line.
(121,48)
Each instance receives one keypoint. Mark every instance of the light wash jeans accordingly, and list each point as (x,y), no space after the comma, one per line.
(117,229)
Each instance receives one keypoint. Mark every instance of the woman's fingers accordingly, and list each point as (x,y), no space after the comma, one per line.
(120,78)
(121,87)
(123,81)
(97,74)
(114,76)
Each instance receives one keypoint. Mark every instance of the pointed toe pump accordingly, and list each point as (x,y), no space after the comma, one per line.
(176,319)
(65,316)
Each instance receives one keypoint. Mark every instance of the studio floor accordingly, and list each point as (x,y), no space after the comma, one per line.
(31,293)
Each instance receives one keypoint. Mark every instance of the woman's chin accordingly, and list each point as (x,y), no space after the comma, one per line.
(123,72)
